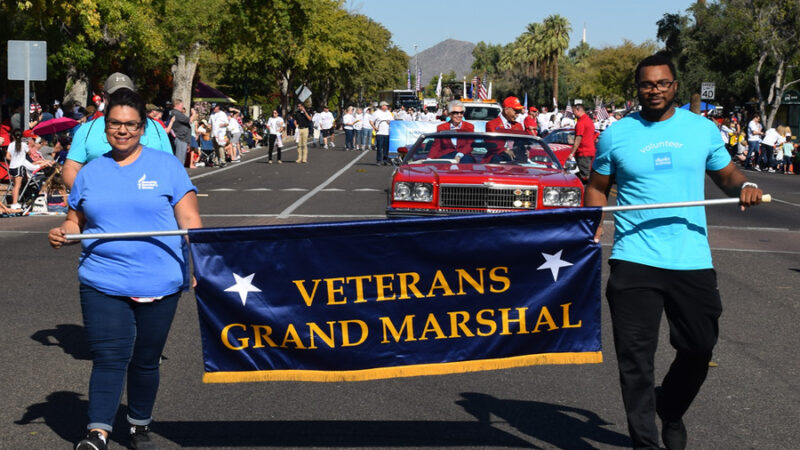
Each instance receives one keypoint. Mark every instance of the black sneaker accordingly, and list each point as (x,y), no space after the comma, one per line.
(140,438)
(93,441)
(673,434)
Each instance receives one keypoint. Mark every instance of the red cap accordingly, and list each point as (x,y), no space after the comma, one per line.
(533,109)
(28,133)
(512,102)
(96,99)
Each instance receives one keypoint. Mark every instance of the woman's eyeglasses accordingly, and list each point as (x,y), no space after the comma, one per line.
(129,126)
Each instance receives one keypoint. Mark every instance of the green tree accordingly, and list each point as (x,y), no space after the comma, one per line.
(555,41)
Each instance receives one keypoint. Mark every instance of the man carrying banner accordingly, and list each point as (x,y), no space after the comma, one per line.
(661,260)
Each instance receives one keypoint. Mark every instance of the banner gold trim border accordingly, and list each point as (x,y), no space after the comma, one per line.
(404,371)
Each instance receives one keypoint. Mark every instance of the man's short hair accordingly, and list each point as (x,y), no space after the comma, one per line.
(453,104)
(658,59)
(579,106)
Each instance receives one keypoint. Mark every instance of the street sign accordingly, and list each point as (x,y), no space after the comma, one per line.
(707,91)
(302,93)
(27,60)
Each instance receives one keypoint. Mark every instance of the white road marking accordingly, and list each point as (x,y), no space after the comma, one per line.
(221,190)
(367,190)
(294,190)
(257,189)
(333,190)
(288,211)
(232,166)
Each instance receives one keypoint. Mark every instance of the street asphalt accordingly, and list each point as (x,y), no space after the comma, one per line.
(750,400)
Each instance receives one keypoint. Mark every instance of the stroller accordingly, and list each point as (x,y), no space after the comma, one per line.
(32,185)
(208,157)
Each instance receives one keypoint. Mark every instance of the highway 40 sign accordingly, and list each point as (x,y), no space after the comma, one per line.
(707,91)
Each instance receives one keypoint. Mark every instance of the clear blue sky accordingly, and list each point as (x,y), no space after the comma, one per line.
(428,22)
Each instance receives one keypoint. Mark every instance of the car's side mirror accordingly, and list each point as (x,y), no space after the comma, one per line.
(570,165)
(403,151)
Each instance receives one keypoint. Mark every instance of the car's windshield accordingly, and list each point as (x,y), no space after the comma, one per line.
(480,112)
(453,149)
(561,137)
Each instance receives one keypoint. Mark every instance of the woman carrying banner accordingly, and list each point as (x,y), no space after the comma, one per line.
(129,289)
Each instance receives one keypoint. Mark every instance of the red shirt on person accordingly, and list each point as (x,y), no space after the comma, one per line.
(585,129)
(499,124)
(442,147)
(530,122)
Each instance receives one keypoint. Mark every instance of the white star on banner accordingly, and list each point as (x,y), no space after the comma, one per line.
(243,286)
(554,263)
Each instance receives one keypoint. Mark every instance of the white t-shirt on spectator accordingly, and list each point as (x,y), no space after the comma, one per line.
(325,120)
(348,120)
(381,119)
(752,127)
(275,125)
(771,137)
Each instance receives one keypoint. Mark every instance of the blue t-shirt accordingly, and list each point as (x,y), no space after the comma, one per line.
(138,197)
(661,162)
(89,141)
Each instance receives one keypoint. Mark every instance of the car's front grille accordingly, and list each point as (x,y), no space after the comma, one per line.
(487,196)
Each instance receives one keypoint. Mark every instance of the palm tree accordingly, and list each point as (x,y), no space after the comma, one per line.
(555,41)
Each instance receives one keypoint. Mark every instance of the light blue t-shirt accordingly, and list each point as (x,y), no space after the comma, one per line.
(138,197)
(661,162)
(90,142)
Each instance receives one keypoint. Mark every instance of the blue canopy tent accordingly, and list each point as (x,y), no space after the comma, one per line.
(703,106)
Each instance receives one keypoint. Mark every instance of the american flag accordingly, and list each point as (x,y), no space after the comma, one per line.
(600,112)
(568,113)
(482,94)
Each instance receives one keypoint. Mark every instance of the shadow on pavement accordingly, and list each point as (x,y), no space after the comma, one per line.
(334,433)
(558,425)
(65,412)
(70,337)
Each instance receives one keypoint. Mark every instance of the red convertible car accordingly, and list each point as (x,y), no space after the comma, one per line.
(451,173)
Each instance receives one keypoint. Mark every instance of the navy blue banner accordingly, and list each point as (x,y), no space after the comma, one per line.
(378,299)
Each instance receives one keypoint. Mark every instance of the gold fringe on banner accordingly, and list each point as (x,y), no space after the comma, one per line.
(403,371)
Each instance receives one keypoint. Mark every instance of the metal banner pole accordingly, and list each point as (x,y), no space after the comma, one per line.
(766,198)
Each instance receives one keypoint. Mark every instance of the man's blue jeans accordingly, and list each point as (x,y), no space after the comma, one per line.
(382,142)
(752,150)
(124,337)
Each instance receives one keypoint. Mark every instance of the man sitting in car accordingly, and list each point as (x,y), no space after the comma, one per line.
(506,122)
(454,148)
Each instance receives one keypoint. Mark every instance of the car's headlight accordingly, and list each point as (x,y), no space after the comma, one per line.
(561,196)
(402,191)
(423,192)
(413,192)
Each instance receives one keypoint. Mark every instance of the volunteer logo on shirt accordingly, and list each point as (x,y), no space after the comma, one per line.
(662,161)
(144,184)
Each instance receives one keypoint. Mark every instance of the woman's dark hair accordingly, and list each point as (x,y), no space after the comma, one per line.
(126,97)
(16,133)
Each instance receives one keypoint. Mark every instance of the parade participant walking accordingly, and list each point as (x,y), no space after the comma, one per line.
(358,125)
(348,122)
(365,137)
(380,123)
(303,121)
(129,288)
(661,260)
(275,126)
(182,127)
(326,127)
(583,149)
(89,142)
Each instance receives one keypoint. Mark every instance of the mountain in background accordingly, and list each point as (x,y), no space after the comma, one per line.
(443,57)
